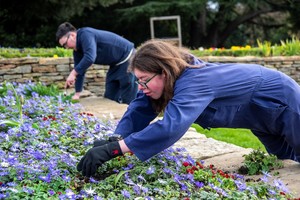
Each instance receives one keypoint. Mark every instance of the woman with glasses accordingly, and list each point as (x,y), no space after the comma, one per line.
(187,90)
(93,46)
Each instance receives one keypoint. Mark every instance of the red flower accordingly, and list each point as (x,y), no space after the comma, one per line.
(189,171)
(200,165)
(186,164)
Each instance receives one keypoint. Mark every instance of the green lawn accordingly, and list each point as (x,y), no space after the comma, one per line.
(239,137)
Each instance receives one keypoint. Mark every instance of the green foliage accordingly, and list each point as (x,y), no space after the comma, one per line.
(48,90)
(264,49)
(42,89)
(286,48)
(258,162)
(35,52)
(240,137)
(19,101)
(290,47)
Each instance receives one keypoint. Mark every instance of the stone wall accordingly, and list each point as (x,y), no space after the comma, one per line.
(50,71)
(289,65)
(56,70)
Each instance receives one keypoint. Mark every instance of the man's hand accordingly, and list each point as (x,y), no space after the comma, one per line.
(71,79)
(96,156)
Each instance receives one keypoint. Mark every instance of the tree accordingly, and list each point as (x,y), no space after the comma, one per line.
(33,23)
(207,23)
(210,23)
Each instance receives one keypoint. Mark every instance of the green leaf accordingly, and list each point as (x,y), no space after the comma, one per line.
(10,123)
(119,176)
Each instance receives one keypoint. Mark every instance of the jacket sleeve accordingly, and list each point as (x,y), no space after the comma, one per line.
(89,50)
(189,101)
(138,115)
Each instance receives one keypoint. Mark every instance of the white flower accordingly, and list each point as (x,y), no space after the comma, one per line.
(90,140)
(13,190)
(162,181)
(90,191)
(4,164)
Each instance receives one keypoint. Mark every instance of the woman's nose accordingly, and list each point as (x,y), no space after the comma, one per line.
(140,87)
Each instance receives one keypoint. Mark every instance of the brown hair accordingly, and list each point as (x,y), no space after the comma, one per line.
(156,56)
(63,29)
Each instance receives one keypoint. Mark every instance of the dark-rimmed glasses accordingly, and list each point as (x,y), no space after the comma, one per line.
(144,84)
(65,44)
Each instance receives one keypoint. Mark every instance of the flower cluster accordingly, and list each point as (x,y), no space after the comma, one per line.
(38,159)
(233,48)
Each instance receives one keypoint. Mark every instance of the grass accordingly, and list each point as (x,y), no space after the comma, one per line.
(240,137)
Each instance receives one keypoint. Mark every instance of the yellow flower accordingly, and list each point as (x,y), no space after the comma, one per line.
(234,48)
(55,56)
(247,47)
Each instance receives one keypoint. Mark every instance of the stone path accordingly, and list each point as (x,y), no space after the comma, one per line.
(224,156)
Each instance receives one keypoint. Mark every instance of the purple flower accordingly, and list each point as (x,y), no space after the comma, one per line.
(141,178)
(145,190)
(241,186)
(97,128)
(92,180)
(66,178)
(280,185)
(150,170)
(184,187)
(167,171)
(70,194)
(38,155)
(46,178)
(177,178)
(264,179)
(51,192)
(97,198)
(199,184)
(137,190)
(27,190)
(129,166)
(126,194)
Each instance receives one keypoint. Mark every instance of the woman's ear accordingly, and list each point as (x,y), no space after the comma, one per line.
(164,73)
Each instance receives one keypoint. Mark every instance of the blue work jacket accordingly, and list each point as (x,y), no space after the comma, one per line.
(216,95)
(95,46)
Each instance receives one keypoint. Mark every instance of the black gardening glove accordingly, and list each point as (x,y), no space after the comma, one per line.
(98,143)
(96,156)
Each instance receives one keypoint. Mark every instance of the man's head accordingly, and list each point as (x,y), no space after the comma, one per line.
(63,29)
(63,34)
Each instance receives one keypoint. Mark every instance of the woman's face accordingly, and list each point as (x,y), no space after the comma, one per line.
(151,84)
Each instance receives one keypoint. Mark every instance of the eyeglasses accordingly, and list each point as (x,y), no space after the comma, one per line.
(144,84)
(65,44)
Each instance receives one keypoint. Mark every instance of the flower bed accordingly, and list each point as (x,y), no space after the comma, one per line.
(42,138)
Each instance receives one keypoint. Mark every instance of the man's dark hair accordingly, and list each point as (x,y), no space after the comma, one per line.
(63,29)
